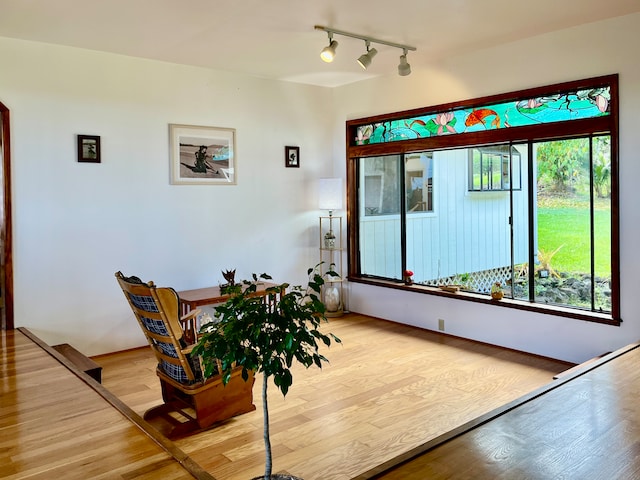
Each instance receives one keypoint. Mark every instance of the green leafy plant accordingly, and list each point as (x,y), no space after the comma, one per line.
(602,166)
(464,280)
(562,162)
(266,334)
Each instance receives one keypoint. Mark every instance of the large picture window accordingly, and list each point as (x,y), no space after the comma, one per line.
(530,207)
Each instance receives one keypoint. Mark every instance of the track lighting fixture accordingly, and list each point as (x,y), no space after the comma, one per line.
(404,68)
(365,60)
(328,53)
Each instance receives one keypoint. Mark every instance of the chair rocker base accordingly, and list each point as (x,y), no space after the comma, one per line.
(192,408)
(173,420)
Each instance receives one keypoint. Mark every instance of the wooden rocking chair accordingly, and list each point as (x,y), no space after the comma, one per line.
(191,403)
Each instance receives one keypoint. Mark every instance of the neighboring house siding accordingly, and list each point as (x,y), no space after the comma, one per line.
(434,250)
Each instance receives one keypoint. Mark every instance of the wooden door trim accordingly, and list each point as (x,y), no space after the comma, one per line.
(6,225)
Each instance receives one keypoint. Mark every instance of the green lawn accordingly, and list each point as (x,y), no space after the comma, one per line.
(569,227)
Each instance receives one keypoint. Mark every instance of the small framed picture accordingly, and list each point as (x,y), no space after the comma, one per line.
(89,148)
(292,157)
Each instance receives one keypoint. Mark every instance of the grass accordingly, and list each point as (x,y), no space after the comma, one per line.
(567,224)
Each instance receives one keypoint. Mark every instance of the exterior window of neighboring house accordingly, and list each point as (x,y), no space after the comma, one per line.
(382,187)
(419,182)
(493,168)
(511,190)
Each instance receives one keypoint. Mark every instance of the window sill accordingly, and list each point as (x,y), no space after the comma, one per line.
(556,310)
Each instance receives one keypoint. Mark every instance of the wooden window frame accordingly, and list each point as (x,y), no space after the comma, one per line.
(605,124)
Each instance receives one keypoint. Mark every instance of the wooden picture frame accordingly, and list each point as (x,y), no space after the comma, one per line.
(292,157)
(202,155)
(89,149)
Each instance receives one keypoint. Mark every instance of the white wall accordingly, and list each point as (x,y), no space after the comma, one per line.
(76,224)
(592,50)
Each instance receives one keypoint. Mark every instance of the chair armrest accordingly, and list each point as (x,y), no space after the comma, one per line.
(189,327)
(191,315)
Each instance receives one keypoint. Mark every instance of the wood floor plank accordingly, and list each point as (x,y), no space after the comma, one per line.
(388,388)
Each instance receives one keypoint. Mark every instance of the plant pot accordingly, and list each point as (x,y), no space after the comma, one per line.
(330,240)
(497,295)
(450,288)
(278,476)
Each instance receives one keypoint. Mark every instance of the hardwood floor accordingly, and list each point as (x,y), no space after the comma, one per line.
(388,389)
(586,428)
(54,426)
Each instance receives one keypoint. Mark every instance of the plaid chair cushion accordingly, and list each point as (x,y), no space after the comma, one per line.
(155,326)
(145,303)
(158,327)
(179,375)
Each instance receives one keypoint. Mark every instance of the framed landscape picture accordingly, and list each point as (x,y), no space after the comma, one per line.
(202,155)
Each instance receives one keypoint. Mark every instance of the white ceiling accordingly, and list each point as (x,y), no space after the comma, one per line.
(276,38)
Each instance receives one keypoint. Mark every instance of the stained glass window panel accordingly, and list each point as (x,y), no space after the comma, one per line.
(562,107)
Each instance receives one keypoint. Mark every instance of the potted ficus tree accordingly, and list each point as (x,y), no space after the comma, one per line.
(266,334)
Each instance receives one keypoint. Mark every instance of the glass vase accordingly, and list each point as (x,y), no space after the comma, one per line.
(331,298)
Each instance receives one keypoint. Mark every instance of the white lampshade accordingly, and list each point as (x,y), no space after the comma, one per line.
(330,194)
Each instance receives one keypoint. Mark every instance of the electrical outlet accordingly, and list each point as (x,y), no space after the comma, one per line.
(441,324)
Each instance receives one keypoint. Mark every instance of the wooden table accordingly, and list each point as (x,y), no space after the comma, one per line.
(191,299)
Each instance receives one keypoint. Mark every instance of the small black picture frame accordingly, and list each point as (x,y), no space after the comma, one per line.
(292,157)
(89,148)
